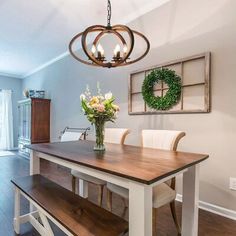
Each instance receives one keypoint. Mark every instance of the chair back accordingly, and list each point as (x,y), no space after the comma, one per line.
(70,136)
(115,135)
(73,134)
(161,139)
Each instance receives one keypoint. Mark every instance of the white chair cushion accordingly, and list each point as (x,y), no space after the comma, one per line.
(70,136)
(87,178)
(162,193)
(123,192)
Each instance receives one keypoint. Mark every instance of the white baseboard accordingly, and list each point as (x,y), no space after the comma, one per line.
(213,208)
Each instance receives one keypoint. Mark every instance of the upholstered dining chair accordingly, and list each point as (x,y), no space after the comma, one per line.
(163,193)
(73,134)
(112,135)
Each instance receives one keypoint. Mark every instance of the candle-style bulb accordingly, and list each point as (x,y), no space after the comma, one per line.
(93,49)
(103,52)
(100,51)
(100,48)
(125,49)
(117,51)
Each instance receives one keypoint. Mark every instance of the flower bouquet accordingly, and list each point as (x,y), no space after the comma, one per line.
(99,109)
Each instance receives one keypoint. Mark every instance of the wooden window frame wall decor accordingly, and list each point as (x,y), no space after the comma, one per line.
(206,57)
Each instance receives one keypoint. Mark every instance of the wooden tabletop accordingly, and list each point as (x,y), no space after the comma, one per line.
(144,165)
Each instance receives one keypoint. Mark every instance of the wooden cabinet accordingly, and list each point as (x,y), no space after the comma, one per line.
(34,122)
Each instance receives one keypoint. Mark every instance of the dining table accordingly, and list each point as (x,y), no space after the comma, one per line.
(135,168)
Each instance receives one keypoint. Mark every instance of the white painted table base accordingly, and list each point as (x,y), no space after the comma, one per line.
(190,201)
(140,195)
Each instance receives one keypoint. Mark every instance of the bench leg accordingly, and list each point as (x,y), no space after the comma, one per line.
(17,211)
(46,224)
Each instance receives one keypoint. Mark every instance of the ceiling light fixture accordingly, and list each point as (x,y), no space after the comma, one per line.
(96,54)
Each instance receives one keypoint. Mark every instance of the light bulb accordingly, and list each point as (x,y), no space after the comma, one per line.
(101,50)
(125,49)
(117,51)
(93,49)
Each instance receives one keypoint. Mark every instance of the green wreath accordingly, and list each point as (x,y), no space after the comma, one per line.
(173,94)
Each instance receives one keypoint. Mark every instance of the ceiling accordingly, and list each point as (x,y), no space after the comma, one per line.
(34,34)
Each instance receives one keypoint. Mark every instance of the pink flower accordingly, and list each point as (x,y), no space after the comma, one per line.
(100,108)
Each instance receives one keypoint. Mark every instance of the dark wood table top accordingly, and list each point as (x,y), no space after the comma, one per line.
(145,165)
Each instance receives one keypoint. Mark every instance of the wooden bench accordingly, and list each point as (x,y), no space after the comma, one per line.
(73,214)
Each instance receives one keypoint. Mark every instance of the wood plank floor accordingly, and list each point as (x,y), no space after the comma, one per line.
(16,166)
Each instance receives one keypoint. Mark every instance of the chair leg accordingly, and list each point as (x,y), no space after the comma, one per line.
(125,203)
(173,212)
(109,200)
(73,183)
(154,222)
(100,194)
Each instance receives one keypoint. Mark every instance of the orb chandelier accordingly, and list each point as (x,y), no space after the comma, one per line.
(95,52)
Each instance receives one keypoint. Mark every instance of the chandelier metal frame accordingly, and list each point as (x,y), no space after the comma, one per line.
(117,30)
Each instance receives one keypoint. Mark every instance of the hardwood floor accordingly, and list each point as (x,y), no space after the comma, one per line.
(15,166)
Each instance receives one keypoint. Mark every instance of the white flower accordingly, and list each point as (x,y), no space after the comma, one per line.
(108,96)
(82,97)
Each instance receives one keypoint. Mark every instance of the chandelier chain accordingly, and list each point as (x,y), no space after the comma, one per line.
(108,13)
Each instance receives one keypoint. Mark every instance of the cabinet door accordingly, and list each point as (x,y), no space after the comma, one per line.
(21,119)
(27,121)
(24,110)
(40,121)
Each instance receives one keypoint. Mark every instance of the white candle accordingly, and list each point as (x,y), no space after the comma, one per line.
(93,50)
(117,51)
(125,49)
(100,51)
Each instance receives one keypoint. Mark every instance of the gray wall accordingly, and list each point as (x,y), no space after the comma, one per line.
(178,29)
(15,85)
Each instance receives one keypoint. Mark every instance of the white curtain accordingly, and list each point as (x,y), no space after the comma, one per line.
(6,120)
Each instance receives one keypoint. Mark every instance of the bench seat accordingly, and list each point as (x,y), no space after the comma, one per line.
(76,214)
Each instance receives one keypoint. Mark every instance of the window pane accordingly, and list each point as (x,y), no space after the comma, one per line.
(137,103)
(193,98)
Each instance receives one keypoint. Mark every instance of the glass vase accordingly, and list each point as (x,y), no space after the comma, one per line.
(100,130)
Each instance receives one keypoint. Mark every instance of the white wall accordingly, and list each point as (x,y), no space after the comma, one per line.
(178,29)
(15,85)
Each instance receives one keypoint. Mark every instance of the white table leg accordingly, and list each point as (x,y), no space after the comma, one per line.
(140,210)
(17,211)
(190,202)
(83,188)
(34,163)
(34,170)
